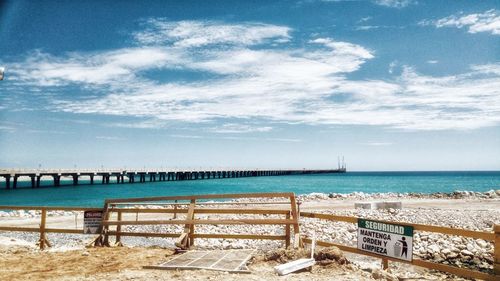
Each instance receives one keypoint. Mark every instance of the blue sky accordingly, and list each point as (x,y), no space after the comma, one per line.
(389,84)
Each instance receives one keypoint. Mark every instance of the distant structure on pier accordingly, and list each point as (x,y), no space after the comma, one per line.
(141,176)
(342,168)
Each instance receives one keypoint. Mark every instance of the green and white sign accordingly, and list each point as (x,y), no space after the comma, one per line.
(385,239)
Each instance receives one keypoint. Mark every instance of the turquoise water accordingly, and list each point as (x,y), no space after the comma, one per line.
(368,182)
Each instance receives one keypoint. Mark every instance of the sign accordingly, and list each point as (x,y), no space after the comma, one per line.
(386,239)
(92,222)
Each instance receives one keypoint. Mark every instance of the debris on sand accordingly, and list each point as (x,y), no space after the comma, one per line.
(285,255)
(329,255)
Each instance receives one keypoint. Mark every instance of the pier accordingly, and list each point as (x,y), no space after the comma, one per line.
(11,178)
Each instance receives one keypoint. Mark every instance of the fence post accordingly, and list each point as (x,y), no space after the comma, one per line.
(118,229)
(175,210)
(496,265)
(385,263)
(287,231)
(297,241)
(42,229)
(191,227)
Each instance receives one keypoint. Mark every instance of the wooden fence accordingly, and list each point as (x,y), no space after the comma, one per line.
(191,207)
(116,212)
(488,236)
(42,229)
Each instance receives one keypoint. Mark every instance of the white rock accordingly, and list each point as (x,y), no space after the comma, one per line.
(466,253)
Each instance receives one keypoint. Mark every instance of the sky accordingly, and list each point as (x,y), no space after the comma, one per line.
(388,84)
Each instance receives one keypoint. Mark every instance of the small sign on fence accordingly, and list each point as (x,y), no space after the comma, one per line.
(92,221)
(386,239)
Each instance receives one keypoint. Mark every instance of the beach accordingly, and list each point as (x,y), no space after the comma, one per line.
(465,210)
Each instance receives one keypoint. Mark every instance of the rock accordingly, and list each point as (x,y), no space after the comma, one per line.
(379,274)
(483,244)
(466,253)
(85,254)
(330,255)
(433,249)
(363,205)
(445,252)
(385,205)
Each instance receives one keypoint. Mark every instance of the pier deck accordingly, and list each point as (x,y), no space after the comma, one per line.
(142,176)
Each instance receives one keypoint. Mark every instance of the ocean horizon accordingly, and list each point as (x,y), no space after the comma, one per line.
(367,182)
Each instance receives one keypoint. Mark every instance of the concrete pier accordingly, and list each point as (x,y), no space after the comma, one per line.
(12,177)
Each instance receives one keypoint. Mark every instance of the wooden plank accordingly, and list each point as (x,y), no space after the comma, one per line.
(206,211)
(242,211)
(152,211)
(418,227)
(203,203)
(496,265)
(184,240)
(193,267)
(240,236)
(145,234)
(329,217)
(214,222)
(418,262)
(287,232)
(43,219)
(204,196)
(118,228)
(190,216)
(297,243)
(39,208)
(385,263)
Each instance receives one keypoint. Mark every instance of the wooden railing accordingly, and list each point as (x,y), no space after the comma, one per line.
(115,212)
(42,229)
(464,272)
(190,206)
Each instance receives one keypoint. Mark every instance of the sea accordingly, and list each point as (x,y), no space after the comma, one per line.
(86,195)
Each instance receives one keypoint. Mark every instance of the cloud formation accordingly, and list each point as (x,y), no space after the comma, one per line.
(274,82)
(202,33)
(488,21)
(395,3)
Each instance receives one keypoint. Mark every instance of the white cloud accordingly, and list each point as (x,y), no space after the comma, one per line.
(291,85)
(392,66)
(199,33)
(432,61)
(395,3)
(377,143)
(95,69)
(108,138)
(7,128)
(239,128)
(366,27)
(488,21)
(236,138)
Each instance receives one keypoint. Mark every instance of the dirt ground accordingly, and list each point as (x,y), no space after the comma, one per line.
(123,263)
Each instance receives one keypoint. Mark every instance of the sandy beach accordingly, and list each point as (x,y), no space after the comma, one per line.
(68,259)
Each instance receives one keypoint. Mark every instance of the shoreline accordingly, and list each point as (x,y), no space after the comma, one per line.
(319,196)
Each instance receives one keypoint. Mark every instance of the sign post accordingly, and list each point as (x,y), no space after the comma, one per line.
(92,221)
(386,239)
